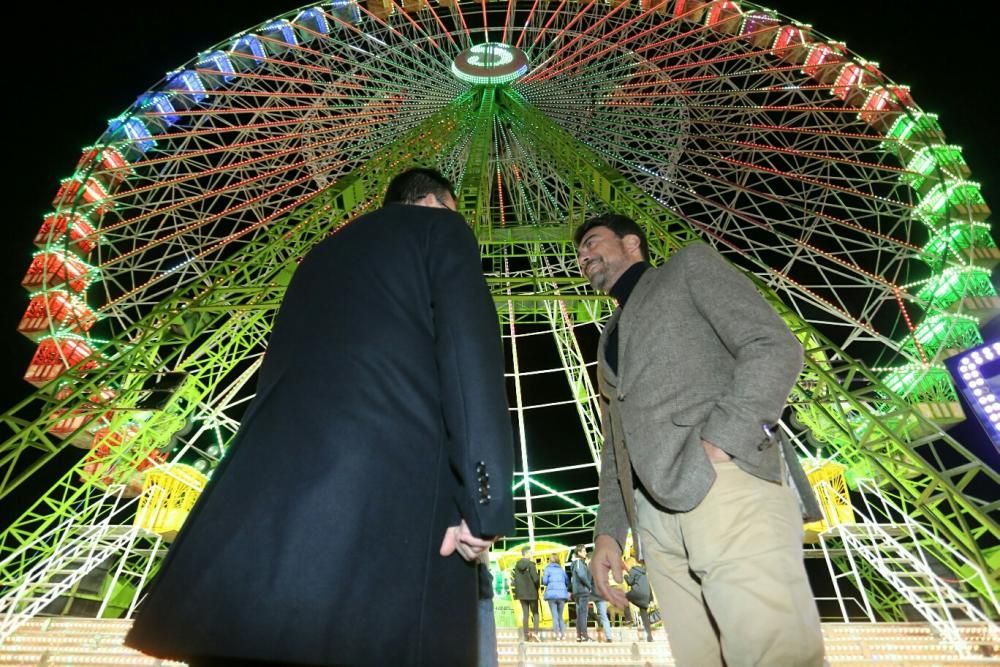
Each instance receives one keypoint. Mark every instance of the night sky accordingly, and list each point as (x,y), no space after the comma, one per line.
(70,69)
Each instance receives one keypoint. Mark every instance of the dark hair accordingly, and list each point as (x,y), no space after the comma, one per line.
(619,224)
(579,548)
(525,549)
(415,184)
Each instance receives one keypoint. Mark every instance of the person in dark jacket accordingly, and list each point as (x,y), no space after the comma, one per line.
(582,585)
(556,583)
(526,592)
(380,428)
(639,593)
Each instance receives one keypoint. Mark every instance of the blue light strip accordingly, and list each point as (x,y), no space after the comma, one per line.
(219,62)
(139,137)
(281,29)
(187,81)
(159,103)
(979,389)
(250,45)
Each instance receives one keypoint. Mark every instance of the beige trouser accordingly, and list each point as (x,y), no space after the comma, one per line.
(730,578)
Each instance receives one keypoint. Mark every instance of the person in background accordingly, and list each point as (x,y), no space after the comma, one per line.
(582,585)
(556,583)
(639,593)
(526,582)
(601,604)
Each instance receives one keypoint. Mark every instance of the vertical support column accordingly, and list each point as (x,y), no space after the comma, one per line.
(521,435)
(575,367)
(475,187)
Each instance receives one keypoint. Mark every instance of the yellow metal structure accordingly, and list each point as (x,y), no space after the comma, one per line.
(168,494)
(828,481)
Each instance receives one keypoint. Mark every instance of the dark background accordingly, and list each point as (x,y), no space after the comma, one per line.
(70,69)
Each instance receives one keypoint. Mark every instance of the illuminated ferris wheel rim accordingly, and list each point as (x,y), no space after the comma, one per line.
(434,38)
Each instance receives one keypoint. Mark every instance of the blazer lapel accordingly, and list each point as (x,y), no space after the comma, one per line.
(607,378)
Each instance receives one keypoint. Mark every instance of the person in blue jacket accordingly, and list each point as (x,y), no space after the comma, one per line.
(556,583)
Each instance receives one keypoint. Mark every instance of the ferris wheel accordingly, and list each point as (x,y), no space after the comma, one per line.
(167,249)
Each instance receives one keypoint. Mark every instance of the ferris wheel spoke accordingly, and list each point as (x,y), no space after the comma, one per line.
(282,146)
(334,59)
(611,39)
(614,147)
(275,186)
(543,193)
(748,241)
(259,220)
(565,30)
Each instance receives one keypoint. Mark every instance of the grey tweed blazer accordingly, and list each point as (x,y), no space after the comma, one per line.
(701,355)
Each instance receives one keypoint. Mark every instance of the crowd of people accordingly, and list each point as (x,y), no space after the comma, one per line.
(376,463)
(562,584)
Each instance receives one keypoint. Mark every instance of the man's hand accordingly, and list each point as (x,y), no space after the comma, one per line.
(608,557)
(459,538)
(715,454)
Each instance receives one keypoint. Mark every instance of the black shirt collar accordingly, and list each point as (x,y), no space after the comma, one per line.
(621,290)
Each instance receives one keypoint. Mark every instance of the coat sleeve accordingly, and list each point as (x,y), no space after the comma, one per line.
(611,516)
(470,366)
(768,357)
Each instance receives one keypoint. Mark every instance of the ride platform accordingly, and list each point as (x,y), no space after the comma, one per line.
(81,641)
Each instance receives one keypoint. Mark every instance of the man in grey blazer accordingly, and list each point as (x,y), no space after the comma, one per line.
(691,365)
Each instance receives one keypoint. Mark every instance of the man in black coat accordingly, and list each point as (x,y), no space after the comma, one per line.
(375,461)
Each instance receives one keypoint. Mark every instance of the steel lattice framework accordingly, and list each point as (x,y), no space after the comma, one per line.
(169,247)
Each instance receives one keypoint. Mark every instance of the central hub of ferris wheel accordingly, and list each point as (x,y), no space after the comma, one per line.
(490,64)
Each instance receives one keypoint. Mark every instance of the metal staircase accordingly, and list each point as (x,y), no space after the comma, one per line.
(78,551)
(902,553)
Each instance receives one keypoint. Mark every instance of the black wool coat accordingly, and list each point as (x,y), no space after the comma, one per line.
(380,419)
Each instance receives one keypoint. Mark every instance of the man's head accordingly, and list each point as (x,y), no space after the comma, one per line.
(421,187)
(581,551)
(525,551)
(607,246)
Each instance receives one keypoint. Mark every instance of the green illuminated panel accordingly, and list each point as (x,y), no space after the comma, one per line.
(950,241)
(951,285)
(950,199)
(921,384)
(920,128)
(943,331)
(932,162)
